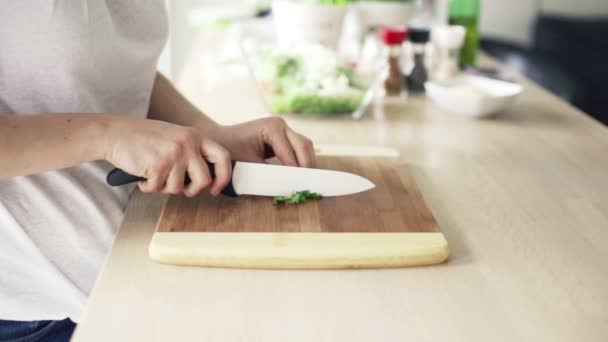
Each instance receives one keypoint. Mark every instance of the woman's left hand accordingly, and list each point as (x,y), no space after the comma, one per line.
(257,140)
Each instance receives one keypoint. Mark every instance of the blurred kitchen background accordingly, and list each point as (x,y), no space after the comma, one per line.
(561,44)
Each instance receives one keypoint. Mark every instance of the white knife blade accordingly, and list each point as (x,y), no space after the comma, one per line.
(277,180)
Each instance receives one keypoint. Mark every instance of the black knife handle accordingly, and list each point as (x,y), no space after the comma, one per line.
(118,177)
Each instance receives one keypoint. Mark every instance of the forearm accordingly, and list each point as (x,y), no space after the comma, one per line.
(36,143)
(168,104)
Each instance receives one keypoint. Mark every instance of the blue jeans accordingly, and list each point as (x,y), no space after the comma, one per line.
(32,331)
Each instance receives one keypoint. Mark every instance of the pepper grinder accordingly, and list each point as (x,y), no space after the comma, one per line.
(419,37)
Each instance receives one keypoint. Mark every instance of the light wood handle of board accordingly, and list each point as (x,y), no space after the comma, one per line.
(299,250)
(345,150)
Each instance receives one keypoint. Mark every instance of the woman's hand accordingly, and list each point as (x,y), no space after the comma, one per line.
(257,140)
(252,141)
(163,152)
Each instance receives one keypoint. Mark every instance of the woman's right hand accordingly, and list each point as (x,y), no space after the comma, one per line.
(163,152)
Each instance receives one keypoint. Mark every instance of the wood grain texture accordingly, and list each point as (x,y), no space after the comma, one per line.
(387,226)
(394,205)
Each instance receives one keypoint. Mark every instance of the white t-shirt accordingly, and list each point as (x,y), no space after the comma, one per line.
(68,56)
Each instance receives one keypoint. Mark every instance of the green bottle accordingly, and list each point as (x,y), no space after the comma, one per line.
(466,13)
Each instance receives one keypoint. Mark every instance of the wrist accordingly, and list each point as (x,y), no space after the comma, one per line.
(206,125)
(104,132)
(210,129)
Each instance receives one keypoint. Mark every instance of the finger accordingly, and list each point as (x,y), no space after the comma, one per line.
(282,148)
(258,159)
(220,157)
(154,184)
(268,152)
(199,177)
(175,182)
(303,148)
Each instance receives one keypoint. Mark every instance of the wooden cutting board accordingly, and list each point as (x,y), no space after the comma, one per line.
(388,226)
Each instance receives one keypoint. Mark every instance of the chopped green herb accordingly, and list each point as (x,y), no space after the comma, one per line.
(296,198)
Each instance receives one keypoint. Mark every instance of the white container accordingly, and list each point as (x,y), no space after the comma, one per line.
(378,13)
(298,22)
(448,41)
(473,96)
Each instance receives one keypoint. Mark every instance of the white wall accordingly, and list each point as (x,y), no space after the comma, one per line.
(576,7)
(513,19)
(510,20)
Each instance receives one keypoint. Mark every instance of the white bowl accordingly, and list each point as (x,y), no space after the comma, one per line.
(473,96)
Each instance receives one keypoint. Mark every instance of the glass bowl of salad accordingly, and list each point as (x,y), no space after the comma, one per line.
(307,78)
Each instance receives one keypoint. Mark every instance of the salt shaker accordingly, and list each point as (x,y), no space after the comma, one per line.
(393,37)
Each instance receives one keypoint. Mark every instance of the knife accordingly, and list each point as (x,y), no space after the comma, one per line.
(273,180)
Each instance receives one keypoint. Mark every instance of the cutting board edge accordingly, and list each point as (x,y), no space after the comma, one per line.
(299,250)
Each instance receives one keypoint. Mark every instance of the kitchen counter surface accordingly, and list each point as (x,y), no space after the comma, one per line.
(522,200)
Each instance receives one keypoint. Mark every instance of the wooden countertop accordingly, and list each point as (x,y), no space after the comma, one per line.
(522,199)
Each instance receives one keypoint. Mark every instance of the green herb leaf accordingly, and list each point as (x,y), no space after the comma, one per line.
(296,198)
